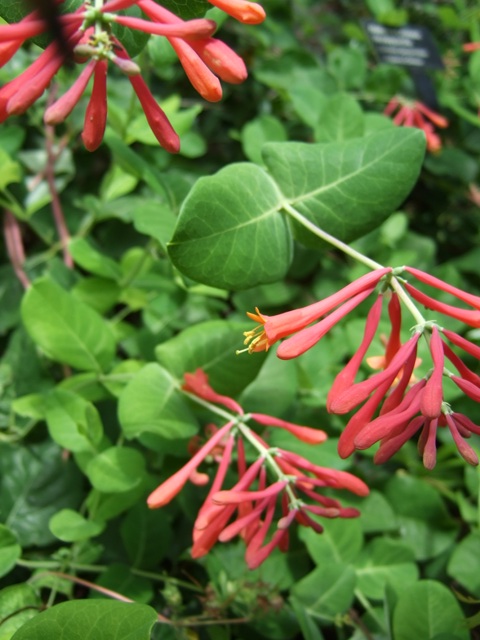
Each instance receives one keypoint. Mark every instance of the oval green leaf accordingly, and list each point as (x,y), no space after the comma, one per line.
(426,610)
(80,619)
(230,233)
(70,526)
(151,403)
(211,346)
(66,329)
(347,188)
(10,550)
(116,470)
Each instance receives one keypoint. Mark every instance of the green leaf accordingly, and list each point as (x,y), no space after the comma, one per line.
(347,188)
(82,619)
(155,220)
(187,10)
(327,591)
(211,346)
(147,536)
(35,482)
(340,542)
(309,628)
(232,219)
(423,521)
(427,609)
(92,260)
(377,514)
(70,526)
(116,470)
(383,561)
(10,550)
(11,170)
(65,328)
(255,133)
(463,565)
(341,118)
(18,604)
(72,422)
(151,403)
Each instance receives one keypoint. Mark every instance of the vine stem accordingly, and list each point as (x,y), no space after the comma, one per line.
(335,242)
(14,245)
(57,209)
(356,255)
(240,423)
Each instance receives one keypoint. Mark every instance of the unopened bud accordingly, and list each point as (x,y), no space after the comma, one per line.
(129,67)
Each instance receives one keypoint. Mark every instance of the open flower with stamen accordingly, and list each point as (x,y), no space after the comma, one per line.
(335,307)
(275,490)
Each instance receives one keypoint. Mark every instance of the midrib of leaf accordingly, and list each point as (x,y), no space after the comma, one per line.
(255,220)
(339,181)
(76,338)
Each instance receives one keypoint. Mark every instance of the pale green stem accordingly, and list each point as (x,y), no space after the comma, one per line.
(245,430)
(167,580)
(407,301)
(356,255)
(368,607)
(323,235)
(268,457)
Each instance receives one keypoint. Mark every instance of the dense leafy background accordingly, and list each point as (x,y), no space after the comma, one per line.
(169,253)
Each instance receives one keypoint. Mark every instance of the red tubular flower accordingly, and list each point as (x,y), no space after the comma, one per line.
(273,328)
(346,377)
(197,383)
(468,316)
(242,10)
(416,114)
(471,46)
(61,108)
(200,56)
(222,60)
(96,112)
(305,434)
(432,396)
(399,417)
(422,276)
(249,507)
(169,489)
(198,52)
(359,392)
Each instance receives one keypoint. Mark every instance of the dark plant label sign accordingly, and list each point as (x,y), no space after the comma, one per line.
(408,46)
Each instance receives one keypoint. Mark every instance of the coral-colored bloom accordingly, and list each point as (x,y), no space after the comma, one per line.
(197,383)
(416,114)
(249,507)
(471,46)
(87,32)
(273,328)
(96,111)
(422,408)
(242,10)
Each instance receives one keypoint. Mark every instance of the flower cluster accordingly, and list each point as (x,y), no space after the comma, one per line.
(416,114)
(272,492)
(391,405)
(89,36)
